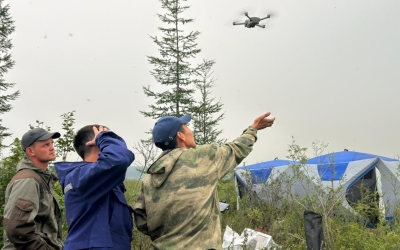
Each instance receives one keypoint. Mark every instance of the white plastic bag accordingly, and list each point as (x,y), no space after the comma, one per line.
(253,240)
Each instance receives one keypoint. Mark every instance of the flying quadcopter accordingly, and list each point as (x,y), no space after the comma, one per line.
(251,22)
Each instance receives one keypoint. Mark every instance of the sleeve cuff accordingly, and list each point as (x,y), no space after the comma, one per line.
(252,131)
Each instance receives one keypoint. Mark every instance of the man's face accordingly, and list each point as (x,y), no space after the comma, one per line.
(43,151)
(189,138)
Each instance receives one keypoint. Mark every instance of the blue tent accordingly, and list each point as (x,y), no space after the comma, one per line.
(261,171)
(344,171)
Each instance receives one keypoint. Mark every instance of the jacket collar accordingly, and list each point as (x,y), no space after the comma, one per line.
(28,164)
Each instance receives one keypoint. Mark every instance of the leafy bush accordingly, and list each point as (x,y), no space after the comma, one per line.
(7,171)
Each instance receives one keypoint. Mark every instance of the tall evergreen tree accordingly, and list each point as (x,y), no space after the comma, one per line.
(175,69)
(6,62)
(206,113)
(172,68)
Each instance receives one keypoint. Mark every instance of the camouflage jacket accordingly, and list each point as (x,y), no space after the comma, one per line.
(178,205)
(32,217)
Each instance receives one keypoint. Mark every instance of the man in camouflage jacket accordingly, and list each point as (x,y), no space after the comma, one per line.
(178,206)
(32,217)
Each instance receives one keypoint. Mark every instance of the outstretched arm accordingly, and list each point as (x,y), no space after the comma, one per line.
(231,154)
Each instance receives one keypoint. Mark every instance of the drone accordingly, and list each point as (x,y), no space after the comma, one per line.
(251,22)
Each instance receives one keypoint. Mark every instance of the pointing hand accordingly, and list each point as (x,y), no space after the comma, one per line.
(263,121)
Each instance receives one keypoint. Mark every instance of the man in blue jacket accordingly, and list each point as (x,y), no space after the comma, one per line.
(97,213)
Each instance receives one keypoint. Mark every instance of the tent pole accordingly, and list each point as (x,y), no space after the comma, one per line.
(237,193)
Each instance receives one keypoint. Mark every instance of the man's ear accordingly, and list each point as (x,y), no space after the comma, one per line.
(180,136)
(29,151)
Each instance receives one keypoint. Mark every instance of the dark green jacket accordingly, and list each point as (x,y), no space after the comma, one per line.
(32,217)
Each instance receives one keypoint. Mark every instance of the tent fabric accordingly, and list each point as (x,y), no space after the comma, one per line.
(345,169)
(345,156)
(330,171)
(260,172)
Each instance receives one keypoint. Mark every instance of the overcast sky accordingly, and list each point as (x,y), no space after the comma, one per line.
(327,70)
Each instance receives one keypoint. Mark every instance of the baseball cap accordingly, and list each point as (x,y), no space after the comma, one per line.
(167,127)
(37,134)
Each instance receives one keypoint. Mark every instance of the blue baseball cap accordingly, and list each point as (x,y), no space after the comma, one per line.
(166,128)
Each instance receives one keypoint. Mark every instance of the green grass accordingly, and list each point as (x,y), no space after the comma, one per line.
(285,224)
(140,241)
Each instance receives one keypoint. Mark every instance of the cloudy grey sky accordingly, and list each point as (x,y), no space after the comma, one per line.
(327,70)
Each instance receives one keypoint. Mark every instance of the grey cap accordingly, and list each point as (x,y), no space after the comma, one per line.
(37,134)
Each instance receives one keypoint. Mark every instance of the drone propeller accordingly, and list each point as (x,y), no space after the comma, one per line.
(250,10)
(272,13)
(247,13)
(240,15)
(228,23)
(254,12)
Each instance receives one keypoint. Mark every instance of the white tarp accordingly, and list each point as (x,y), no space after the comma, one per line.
(252,240)
(223,206)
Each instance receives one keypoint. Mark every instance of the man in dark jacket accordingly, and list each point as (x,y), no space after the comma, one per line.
(97,212)
(32,217)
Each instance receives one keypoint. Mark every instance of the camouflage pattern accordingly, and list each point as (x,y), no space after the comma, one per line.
(178,206)
(32,215)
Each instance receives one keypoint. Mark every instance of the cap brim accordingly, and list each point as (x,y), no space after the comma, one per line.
(54,135)
(185,119)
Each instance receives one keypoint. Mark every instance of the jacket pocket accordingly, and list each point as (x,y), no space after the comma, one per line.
(22,210)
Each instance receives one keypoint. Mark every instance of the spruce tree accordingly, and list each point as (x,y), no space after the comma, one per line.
(206,113)
(6,63)
(180,77)
(172,69)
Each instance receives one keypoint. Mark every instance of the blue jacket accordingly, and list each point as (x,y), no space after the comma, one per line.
(97,212)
